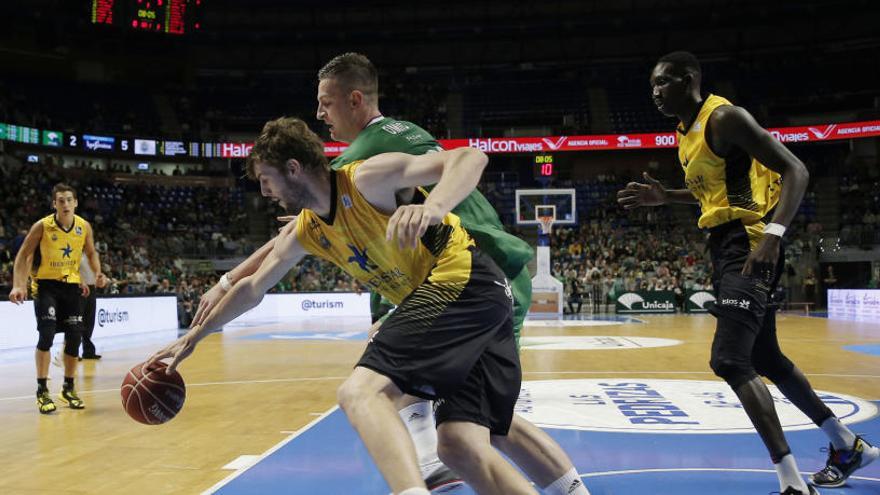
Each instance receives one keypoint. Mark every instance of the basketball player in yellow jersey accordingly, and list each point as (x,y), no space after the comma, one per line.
(58,241)
(749,187)
(451,338)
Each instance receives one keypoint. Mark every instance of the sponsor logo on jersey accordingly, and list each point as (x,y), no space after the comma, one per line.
(395,127)
(360,257)
(507,290)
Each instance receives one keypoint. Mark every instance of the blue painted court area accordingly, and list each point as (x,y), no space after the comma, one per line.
(328,458)
(870,349)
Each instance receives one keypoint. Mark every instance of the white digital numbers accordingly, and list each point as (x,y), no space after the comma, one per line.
(664,140)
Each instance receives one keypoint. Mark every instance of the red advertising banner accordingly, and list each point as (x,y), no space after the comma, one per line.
(802,134)
(827,132)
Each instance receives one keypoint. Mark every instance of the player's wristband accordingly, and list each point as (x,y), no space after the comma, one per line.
(774,229)
(224,282)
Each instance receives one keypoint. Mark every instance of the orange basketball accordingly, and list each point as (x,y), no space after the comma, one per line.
(150,396)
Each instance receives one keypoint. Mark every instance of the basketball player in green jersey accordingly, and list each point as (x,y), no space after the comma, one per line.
(749,187)
(450,339)
(348,90)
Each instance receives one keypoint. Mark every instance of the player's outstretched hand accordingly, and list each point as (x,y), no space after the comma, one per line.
(636,194)
(101,281)
(409,223)
(178,350)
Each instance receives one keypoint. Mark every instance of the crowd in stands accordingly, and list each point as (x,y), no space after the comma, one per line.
(860,192)
(611,251)
(145,232)
(142,231)
(599,261)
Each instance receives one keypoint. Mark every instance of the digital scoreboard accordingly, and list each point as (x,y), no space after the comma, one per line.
(161,16)
(544,167)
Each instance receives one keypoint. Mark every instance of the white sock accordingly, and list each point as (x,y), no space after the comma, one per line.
(415,491)
(419,421)
(789,476)
(842,438)
(569,484)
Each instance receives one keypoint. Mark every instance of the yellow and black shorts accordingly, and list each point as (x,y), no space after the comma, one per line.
(744,299)
(456,346)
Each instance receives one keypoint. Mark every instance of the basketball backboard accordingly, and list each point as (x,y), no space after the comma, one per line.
(558,203)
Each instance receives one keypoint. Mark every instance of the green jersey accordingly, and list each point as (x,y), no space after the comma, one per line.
(477,215)
(386,135)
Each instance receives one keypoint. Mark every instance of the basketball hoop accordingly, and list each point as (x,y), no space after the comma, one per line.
(546,224)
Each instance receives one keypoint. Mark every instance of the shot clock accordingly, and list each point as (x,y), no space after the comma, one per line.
(544,168)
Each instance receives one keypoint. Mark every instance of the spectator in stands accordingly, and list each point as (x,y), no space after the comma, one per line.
(829,282)
(679,294)
(575,296)
(809,285)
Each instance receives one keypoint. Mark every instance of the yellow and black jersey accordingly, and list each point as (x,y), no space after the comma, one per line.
(736,187)
(60,250)
(353,238)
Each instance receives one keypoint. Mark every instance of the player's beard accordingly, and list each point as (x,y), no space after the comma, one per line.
(296,197)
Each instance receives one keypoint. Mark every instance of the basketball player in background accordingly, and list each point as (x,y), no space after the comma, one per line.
(451,338)
(56,244)
(749,187)
(348,102)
